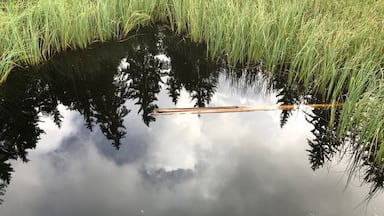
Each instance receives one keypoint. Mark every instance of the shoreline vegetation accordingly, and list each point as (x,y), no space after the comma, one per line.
(335,48)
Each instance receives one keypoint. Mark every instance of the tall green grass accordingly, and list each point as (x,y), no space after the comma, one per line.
(33,30)
(332,47)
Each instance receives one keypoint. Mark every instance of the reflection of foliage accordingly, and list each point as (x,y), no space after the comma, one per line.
(18,123)
(98,91)
(144,78)
(89,90)
(3,186)
(191,70)
(326,142)
(20,104)
(288,94)
(173,88)
(88,82)
(365,159)
(374,175)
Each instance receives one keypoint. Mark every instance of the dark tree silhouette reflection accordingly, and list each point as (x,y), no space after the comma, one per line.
(98,82)
(327,144)
(192,70)
(20,104)
(144,77)
(288,94)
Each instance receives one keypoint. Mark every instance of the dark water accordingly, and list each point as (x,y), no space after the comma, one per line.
(99,151)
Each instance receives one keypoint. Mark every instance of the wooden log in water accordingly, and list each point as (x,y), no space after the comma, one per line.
(228,109)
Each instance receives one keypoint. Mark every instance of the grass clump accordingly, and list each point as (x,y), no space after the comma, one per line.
(332,47)
(34,30)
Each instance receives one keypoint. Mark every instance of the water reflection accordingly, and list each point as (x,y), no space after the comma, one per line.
(87,81)
(99,82)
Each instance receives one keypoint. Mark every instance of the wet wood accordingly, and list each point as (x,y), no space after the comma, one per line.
(228,109)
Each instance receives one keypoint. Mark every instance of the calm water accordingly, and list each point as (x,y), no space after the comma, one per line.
(99,151)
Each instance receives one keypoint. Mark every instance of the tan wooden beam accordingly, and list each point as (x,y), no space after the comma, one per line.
(228,109)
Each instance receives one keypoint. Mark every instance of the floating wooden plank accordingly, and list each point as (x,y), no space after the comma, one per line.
(228,109)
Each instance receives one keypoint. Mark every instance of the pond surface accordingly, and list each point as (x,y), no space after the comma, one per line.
(99,151)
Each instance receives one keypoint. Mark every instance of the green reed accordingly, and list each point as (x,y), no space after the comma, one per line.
(34,30)
(335,48)
(332,47)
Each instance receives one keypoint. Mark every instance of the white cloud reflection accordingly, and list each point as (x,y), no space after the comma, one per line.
(217,164)
(54,136)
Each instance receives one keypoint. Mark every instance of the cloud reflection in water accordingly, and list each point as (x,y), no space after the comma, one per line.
(218,164)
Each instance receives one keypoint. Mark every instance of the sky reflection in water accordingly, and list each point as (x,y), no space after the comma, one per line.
(216,164)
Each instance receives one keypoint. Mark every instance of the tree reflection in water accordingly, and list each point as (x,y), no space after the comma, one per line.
(97,83)
(89,82)
(326,144)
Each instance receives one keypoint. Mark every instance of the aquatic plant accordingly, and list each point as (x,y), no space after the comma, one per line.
(333,47)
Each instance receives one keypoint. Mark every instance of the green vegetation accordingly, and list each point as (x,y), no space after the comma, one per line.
(33,30)
(332,47)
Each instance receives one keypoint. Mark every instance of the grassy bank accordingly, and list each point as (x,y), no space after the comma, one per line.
(33,30)
(333,47)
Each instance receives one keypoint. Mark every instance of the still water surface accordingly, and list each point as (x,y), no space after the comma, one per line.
(111,157)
